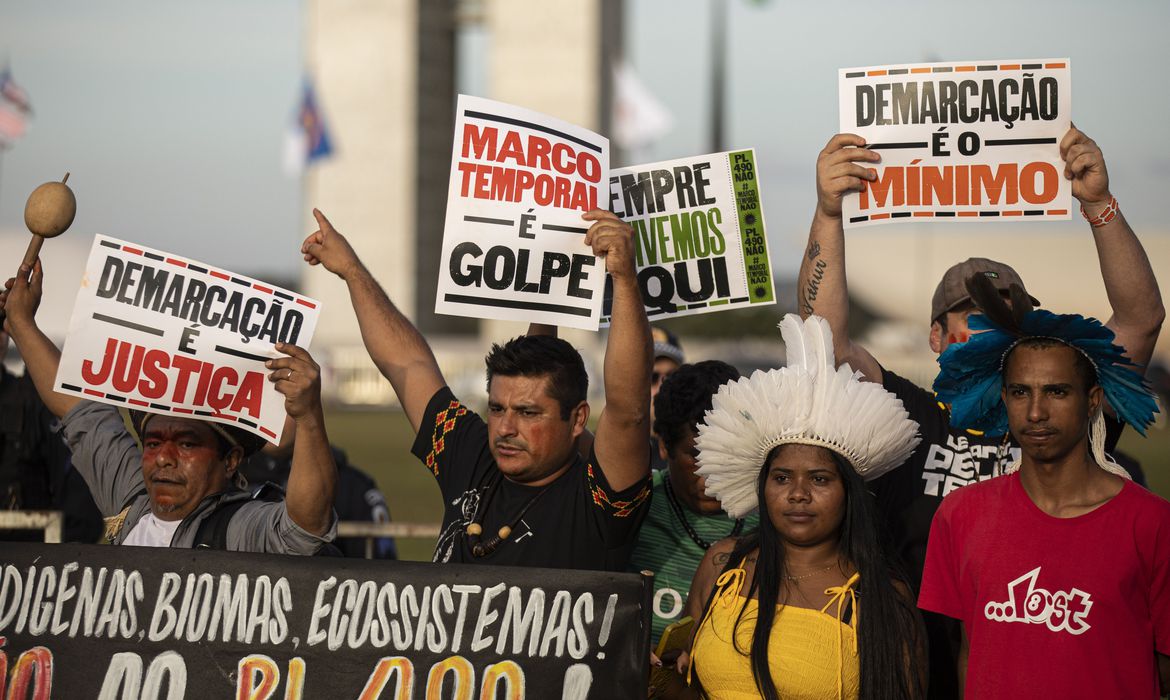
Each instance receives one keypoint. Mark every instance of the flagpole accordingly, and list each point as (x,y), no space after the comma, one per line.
(3,149)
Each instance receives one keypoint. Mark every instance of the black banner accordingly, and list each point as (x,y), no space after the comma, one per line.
(84,621)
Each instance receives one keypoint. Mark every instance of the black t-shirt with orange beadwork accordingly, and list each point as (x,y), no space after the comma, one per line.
(579,522)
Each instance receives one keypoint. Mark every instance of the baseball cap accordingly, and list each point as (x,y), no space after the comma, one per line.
(666,344)
(952,290)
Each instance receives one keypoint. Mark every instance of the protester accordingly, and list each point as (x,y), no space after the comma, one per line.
(358,498)
(683,521)
(35,470)
(668,357)
(801,442)
(515,490)
(1058,570)
(183,475)
(949,456)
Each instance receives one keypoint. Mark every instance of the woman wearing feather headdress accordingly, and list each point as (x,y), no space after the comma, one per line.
(798,443)
(1085,582)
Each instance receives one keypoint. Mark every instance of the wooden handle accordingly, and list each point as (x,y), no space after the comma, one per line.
(34,249)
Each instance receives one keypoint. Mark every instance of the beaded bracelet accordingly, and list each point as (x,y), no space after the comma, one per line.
(1107,215)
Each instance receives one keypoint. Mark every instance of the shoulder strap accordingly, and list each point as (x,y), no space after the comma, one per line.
(212,532)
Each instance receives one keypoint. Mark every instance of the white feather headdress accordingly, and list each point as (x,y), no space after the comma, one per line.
(810,402)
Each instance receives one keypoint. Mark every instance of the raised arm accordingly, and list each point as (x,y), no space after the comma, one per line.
(821,288)
(397,348)
(19,302)
(622,443)
(312,478)
(1133,292)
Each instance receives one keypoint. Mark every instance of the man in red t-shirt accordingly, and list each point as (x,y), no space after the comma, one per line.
(1060,570)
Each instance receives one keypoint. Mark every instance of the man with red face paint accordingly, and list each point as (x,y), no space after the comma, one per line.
(159,495)
(950,457)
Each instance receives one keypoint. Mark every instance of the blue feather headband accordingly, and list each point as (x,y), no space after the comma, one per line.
(971,373)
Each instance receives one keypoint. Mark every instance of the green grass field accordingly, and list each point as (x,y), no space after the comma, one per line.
(379,442)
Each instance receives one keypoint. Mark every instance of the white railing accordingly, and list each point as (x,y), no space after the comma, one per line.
(52,522)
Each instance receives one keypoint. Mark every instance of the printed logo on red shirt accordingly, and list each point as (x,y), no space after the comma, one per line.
(1061,611)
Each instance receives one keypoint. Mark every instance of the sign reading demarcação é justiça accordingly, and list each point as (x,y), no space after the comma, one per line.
(159,332)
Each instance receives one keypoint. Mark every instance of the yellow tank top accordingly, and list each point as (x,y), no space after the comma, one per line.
(812,655)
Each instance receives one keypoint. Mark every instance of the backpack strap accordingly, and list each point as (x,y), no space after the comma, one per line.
(212,532)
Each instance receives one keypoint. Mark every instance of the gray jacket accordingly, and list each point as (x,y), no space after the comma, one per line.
(109,459)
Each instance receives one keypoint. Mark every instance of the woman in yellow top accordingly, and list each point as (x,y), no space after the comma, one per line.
(799,442)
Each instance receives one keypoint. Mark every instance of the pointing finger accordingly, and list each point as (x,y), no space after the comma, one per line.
(322,221)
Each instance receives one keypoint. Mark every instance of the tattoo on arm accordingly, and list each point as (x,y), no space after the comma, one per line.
(809,293)
(720,559)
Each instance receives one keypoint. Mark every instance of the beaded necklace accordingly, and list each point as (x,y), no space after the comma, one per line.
(474,529)
(676,507)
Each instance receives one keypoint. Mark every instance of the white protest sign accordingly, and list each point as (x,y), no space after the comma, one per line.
(698,233)
(976,140)
(513,241)
(158,332)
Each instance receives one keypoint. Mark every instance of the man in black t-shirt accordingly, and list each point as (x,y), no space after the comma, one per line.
(515,490)
(949,458)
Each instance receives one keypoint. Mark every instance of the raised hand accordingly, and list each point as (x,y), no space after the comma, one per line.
(22,296)
(1084,165)
(838,173)
(612,239)
(327,247)
(298,378)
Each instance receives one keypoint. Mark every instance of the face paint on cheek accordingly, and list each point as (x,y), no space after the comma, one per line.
(961,338)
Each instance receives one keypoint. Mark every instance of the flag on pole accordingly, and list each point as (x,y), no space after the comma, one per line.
(307,140)
(14,108)
(639,117)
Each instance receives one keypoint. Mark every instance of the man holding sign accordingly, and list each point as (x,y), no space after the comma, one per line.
(515,489)
(181,481)
(950,457)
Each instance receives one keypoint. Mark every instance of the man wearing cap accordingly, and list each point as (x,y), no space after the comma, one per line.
(160,494)
(668,356)
(1077,602)
(950,457)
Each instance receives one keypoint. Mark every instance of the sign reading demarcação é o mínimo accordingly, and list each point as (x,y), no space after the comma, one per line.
(162,333)
(89,621)
(965,141)
(698,233)
(513,239)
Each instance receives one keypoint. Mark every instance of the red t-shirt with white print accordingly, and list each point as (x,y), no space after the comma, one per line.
(1053,607)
